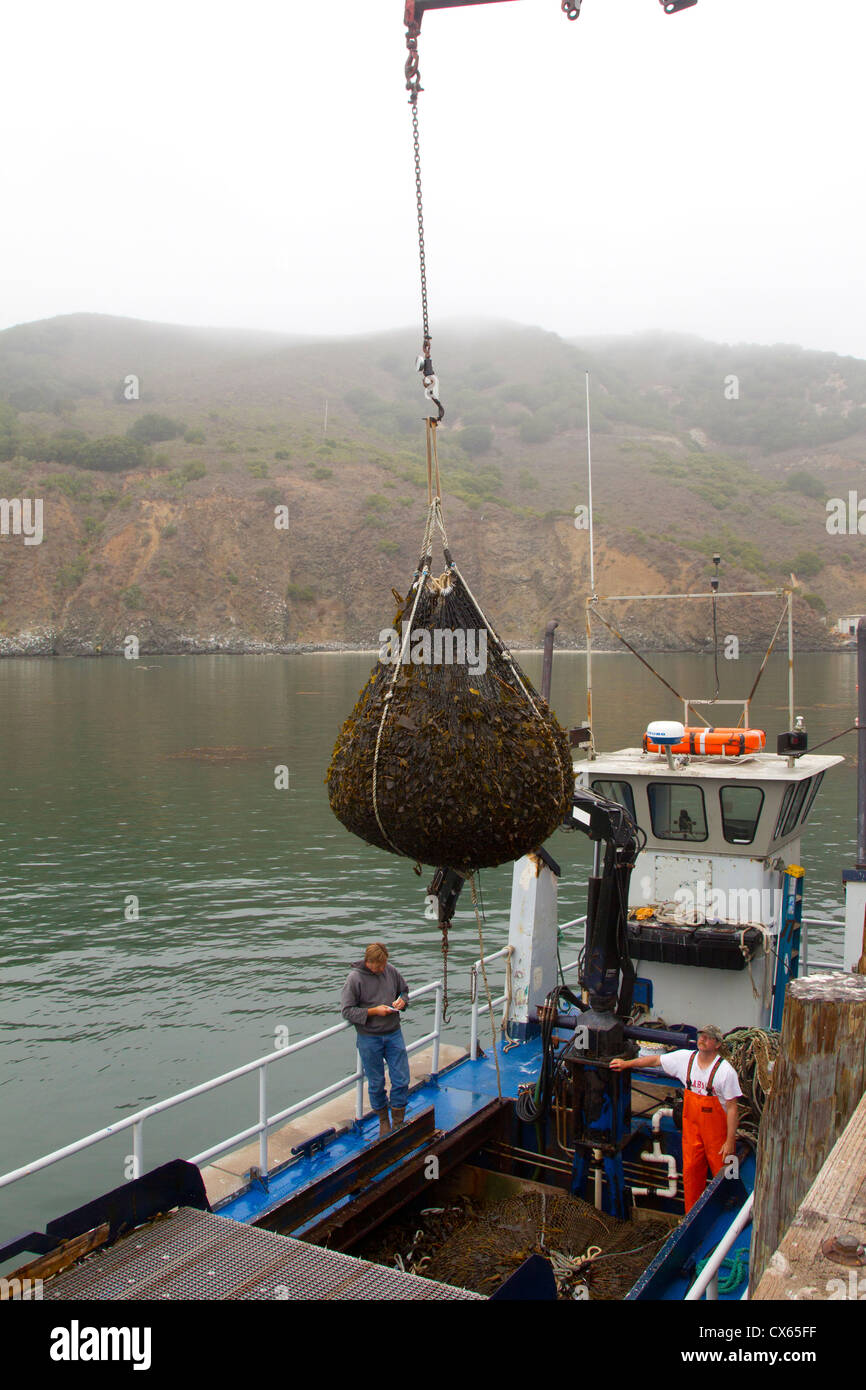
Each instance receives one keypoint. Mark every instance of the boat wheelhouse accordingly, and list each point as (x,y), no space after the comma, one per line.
(715,898)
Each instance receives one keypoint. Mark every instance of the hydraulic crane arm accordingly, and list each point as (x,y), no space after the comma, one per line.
(415,9)
(606,956)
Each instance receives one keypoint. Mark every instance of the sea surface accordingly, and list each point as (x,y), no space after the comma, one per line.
(150,785)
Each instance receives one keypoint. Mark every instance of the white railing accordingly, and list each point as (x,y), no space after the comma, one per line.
(807,967)
(476,974)
(707,1281)
(265,1122)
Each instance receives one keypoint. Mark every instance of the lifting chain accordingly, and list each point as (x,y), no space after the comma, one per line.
(444,928)
(571,8)
(424,362)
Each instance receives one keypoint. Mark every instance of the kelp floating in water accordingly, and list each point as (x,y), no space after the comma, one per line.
(472,768)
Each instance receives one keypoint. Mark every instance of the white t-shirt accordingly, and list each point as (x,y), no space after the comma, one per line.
(726,1084)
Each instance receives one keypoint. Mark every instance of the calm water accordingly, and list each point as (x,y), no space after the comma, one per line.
(253,901)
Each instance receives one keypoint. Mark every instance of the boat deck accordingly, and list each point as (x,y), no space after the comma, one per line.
(463,1090)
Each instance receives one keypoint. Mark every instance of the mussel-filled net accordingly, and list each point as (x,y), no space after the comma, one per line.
(450,756)
(478,1246)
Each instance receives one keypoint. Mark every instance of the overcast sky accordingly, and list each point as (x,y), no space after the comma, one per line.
(250,165)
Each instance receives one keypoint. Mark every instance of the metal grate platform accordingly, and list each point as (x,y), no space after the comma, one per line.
(197,1255)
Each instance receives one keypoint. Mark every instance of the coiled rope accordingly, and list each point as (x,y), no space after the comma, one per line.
(752,1052)
(732,1271)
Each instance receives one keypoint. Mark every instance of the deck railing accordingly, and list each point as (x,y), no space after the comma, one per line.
(265,1121)
(476,974)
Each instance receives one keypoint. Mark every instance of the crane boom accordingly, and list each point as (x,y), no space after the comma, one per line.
(571,8)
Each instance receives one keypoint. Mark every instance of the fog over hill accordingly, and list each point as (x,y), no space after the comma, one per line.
(162,455)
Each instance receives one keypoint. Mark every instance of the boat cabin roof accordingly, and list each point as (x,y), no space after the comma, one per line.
(750,767)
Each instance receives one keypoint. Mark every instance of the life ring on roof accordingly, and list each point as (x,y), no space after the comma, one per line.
(721,742)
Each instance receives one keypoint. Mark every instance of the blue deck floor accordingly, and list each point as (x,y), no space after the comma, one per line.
(458,1093)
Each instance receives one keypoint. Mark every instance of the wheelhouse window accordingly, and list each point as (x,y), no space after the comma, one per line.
(616,791)
(786,802)
(741,811)
(677,811)
(807,809)
(796,806)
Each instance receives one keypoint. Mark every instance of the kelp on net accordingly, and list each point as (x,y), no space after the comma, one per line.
(450,757)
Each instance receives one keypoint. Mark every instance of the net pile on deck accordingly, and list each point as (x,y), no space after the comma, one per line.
(449,757)
(585,1247)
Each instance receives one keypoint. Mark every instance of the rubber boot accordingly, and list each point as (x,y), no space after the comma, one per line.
(397,1116)
(384,1123)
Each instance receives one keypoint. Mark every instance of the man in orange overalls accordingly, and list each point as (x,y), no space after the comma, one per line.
(710,1110)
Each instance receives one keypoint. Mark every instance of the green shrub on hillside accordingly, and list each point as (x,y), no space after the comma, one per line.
(194,437)
(153,429)
(272,495)
(112,454)
(805,483)
(816,602)
(302,594)
(476,485)
(131,596)
(376,505)
(807,564)
(64,447)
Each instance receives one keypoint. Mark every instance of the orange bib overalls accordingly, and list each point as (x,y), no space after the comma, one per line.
(705,1128)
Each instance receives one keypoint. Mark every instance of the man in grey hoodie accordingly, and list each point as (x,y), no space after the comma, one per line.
(374,996)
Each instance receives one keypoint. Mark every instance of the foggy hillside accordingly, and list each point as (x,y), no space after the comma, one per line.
(161,453)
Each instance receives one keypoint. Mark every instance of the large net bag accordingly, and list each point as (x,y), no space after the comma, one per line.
(449,757)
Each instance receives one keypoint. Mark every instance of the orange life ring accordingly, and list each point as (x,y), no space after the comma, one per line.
(724,742)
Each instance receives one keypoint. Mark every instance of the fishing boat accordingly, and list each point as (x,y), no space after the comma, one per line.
(526,1167)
